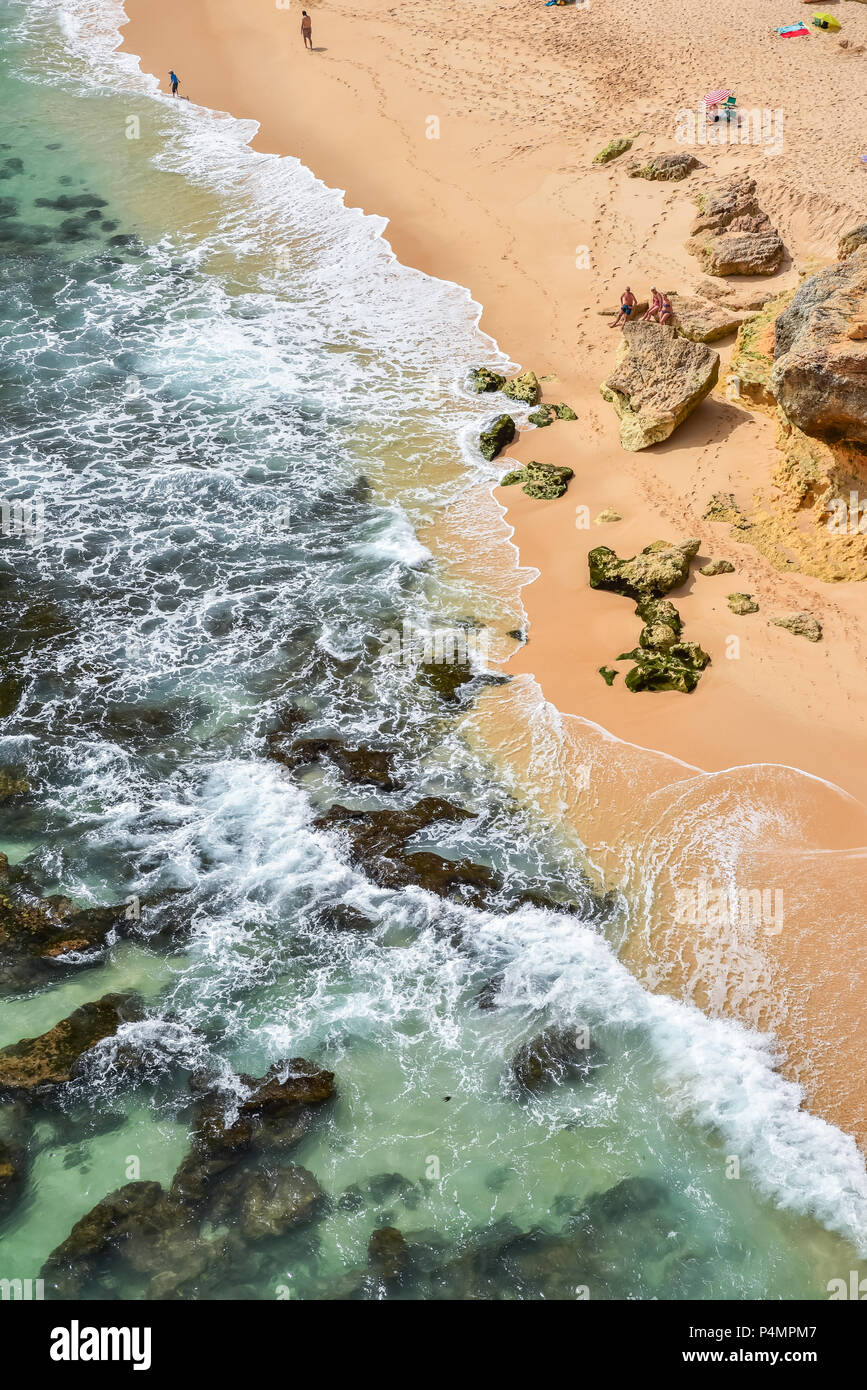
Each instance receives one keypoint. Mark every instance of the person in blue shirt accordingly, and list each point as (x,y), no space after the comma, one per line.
(175,81)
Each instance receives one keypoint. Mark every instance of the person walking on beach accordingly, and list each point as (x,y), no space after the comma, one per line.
(175,81)
(627,304)
(307,30)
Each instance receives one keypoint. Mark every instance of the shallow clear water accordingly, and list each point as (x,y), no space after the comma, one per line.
(238,411)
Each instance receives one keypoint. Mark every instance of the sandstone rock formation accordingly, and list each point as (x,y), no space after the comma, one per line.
(732,235)
(802,625)
(819,376)
(524,387)
(658,568)
(658,380)
(851,240)
(39,1065)
(703,322)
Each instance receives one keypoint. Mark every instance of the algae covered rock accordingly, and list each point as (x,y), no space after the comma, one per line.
(524,387)
(545,481)
(564,411)
(802,625)
(484,379)
(387,1253)
(742,603)
(606,516)
(658,380)
(658,568)
(497,436)
(608,674)
(555,1055)
(753,358)
(541,417)
(716,567)
(665,167)
(819,376)
(44,1063)
(273,1203)
(613,150)
(677,667)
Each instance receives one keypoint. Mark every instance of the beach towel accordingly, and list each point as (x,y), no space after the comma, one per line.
(793,31)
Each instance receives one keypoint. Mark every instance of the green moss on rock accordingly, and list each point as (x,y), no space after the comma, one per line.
(496,437)
(484,379)
(613,150)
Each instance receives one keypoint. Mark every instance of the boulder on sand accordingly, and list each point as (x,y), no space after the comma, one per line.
(658,568)
(802,625)
(555,1054)
(819,377)
(497,436)
(658,380)
(665,167)
(703,322)
(732,235)
(851,240)
(524,387)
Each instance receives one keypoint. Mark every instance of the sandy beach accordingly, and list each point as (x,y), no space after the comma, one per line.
(474,134)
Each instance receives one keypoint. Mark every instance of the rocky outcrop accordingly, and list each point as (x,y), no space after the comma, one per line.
(557,1054)
(606,517)
(802,625)
(484,379)
(613,149)
(387,1253)
(361,766)
(658,380)
(850,241)
(716,567)
(658,568)
(37,934)
(819,376)
(543,480)
(524,388)
(663,661)
(547,414)
(497,436)
(270,1203)
(665,167)
(749,373)
(378,842)
(732,235)
(704,322)
(742,603)
(40,1065)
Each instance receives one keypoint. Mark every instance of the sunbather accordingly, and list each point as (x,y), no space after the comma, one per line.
(666,310)
(655,305)
(627,304)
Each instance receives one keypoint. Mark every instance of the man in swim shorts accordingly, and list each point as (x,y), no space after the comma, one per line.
(627,304)
(307,30)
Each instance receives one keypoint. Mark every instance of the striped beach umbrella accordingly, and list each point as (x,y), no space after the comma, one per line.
(714,98)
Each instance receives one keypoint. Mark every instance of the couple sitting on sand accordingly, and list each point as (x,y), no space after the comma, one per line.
(660,308)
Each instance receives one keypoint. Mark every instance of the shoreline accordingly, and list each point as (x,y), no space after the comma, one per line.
(451,206)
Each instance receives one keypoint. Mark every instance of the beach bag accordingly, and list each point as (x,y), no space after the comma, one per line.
(825,21)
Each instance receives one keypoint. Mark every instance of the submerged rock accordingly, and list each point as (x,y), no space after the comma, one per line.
(363,766)
(271,1203)
(35,1065)
(732,235)
(819,376)
(802,625)
(37,934)
(666,167)
(742,603)
(658,380)
(387,1253)
(658,568)
(378,843)
(103,1230)
(497,437)
(524,387)
(546,481)
(485,379)
(555,1055)
(714,567)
